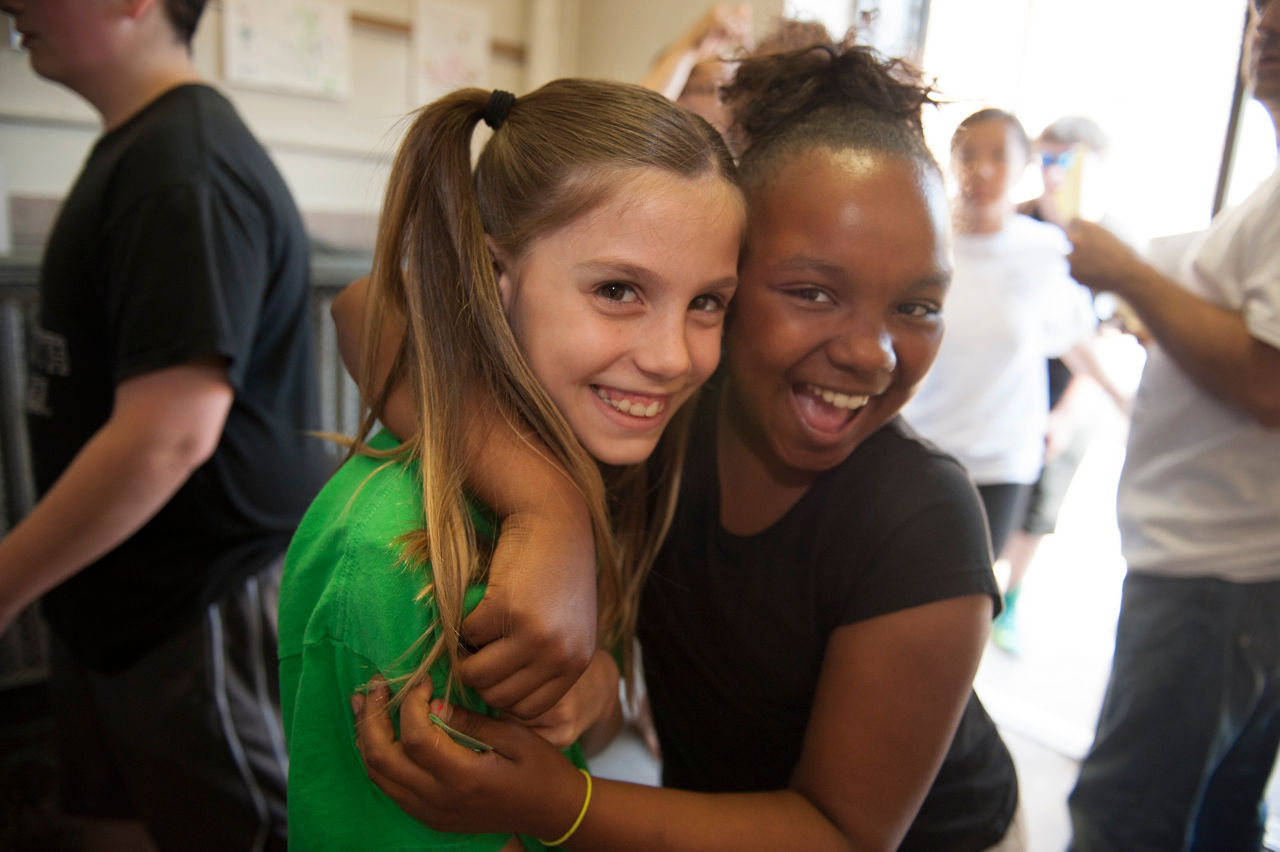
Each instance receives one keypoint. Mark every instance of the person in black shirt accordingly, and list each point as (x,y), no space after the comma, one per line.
(171,386)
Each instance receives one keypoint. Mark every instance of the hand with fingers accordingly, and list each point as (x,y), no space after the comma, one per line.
(593,700)
(523,785)
(535,630)
(1100,260)
(722,29)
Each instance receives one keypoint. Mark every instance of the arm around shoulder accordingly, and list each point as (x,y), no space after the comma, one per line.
(535,628)
(890,695)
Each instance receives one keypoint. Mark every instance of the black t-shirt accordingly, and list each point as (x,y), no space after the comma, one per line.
(733,629)
(178,241)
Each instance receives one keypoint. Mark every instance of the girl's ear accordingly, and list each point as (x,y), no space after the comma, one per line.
(502,273)
(135,8)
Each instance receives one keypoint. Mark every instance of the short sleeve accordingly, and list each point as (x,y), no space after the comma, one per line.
(927,541)
(1262,279)
(941,552)
(187,273)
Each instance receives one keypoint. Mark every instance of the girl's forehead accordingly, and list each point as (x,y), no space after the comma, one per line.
(815,179)
(615,192)
(849,210)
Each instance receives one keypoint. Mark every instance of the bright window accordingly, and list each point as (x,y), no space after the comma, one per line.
(1158,77)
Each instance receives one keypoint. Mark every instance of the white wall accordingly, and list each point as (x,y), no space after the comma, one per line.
(619,39)
(333,154)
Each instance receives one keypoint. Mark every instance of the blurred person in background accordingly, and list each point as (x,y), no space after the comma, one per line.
(1012,305)
(1062,149)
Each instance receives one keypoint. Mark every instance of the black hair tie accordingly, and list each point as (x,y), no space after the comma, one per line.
(499,106)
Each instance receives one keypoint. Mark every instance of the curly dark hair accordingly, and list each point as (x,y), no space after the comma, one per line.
(837,95)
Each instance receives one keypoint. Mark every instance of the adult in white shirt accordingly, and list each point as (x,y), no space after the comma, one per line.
(1191,723)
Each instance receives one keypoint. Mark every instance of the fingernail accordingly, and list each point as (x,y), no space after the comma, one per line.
(357,702)
(440,709)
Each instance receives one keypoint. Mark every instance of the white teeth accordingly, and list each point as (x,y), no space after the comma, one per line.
(852,402)
(635,409)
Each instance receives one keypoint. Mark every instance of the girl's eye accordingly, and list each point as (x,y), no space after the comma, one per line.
(919,309)
(708,304)
(616,291)
(811,294)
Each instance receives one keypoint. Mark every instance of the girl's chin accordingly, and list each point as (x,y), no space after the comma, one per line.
(817,452)
(622,453)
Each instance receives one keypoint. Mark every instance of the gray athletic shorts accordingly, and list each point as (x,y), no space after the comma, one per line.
(189,738)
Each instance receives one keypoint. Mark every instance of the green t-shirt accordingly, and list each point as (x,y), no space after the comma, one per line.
(348,612)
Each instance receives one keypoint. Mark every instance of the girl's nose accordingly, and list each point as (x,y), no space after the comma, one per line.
(662,350)
(865,349)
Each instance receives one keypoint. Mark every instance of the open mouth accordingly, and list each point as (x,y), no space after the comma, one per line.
(634,405)
(826,409)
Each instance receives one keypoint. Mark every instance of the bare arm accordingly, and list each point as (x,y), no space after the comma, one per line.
(720,30)
(163,426)
(347,312)
(1210,343)
(536,627)
(891,692)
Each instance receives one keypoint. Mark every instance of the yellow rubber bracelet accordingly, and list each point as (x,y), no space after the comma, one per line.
(577,822)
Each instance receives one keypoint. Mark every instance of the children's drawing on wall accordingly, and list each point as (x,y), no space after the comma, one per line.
(450,49)
(299,46)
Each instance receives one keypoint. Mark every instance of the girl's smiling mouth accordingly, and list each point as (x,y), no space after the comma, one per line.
(635,405)
(826,410)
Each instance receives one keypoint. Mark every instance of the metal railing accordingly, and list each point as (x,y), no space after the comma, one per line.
(24,648)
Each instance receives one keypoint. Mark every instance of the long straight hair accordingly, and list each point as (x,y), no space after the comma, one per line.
(556,156)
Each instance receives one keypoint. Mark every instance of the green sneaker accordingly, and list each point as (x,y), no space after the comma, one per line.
(1004,630)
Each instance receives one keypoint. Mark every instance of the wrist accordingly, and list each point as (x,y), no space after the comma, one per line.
(582,802)
(688,45)
(1134,280)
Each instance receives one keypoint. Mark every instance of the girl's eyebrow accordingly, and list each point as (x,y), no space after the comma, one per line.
(941,279)
(729,282)
(616,266)
(625,269)
(808,263)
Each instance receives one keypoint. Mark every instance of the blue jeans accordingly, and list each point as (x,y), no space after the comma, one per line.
(1191,721)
